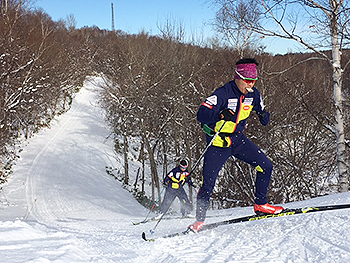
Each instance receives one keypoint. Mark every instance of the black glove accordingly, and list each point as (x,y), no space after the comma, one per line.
(190,183)
(227,115)
(264,117)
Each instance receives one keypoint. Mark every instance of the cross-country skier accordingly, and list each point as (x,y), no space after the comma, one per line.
(174,182)
(231,105)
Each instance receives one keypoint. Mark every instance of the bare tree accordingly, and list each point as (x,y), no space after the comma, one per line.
(71,22)
(326,28)
(229,21)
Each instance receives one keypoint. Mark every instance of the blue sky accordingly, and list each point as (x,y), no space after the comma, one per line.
(132,16)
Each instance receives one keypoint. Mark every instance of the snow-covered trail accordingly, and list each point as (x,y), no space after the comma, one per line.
(61,206)
(61,192)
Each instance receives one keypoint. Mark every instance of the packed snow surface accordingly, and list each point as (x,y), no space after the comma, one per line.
(60,205)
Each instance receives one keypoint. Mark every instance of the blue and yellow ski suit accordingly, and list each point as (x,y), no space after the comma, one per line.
(231,141)
(175,181)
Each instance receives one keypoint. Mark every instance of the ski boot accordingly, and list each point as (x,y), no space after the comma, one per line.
(267,209)
(196,226)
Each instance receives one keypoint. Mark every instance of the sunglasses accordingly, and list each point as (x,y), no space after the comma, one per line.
(184,167)
(246,80)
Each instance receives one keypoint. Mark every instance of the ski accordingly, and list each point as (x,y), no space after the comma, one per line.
(285,212)
(167,218)
(143,221)
(182,233)
(156,219)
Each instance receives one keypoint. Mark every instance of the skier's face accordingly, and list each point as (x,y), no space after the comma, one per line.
(183,167)
(244,85)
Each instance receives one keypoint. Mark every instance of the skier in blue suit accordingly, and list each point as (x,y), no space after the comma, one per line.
(174,182)
(228,108)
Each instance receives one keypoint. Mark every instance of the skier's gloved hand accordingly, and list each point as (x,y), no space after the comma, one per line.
(264,117)
(190,183)
(207,129)
(185,174)
(227,115)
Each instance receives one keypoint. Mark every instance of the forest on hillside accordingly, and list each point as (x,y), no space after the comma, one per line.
(153,87)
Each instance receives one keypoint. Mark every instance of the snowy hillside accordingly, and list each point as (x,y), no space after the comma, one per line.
(61,206)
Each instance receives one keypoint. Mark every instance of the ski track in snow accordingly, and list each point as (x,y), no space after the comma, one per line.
(61,206)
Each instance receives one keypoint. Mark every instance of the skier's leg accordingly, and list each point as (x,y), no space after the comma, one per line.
(251,154)
(214,159)
(169,197)
(186,207)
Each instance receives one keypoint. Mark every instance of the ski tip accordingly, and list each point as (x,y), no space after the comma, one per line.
(139,223)
(190,230)
(144,237)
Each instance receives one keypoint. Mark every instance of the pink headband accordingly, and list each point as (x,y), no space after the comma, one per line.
(248,71)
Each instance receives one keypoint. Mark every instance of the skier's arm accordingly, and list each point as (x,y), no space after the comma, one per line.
(263,114)
(264,117)
(167,178)
(189,181)
(208,112)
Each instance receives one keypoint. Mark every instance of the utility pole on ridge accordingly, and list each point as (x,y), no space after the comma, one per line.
(113,29)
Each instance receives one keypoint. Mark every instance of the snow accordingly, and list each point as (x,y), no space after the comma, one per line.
(60,205)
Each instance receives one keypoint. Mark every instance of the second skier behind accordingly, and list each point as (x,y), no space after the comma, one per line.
(174,182)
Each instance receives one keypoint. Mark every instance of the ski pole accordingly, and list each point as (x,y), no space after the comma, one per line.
(155,203)
(206,148)
(160,219)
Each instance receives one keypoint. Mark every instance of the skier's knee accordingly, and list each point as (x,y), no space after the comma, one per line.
(265,167)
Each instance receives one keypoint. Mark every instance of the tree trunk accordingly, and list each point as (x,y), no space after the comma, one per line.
(142,157)
(137,178)
(126,163)
(154,172)
(165,158)
(1,172)
(143,175)
(339,118)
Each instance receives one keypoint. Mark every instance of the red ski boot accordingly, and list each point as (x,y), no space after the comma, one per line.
(267,209)
(196,226)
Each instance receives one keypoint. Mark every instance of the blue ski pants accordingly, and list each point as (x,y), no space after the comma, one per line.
(215,157)
(170,195)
